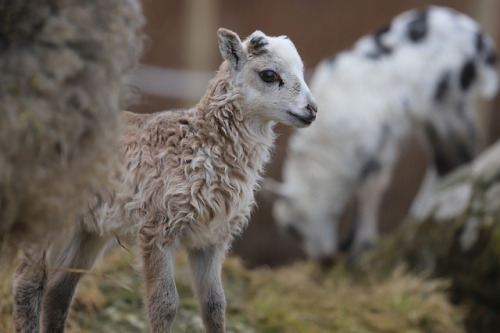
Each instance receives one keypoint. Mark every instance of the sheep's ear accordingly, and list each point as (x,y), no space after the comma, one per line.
(231,48)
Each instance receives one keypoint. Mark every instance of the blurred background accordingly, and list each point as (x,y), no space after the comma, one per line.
(182,55)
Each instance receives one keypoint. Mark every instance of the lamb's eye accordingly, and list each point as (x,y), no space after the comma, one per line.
(269,76)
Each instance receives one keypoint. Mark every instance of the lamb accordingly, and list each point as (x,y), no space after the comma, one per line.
(422,74)
(185,179)
(64,76)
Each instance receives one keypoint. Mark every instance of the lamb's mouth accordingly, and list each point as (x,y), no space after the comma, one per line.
(304,120)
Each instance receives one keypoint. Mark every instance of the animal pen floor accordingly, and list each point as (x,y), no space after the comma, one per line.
(296,298)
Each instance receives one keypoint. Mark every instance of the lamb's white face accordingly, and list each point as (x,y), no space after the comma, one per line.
(270,74)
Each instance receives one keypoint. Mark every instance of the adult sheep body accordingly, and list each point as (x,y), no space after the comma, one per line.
(422,73)
(64,67)
(185,179)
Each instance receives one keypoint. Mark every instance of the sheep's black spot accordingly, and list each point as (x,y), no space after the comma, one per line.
(456,151)
(257,45)
(481,48)
(383,31)
(380,48)
(463,147)
(294,232)
(463,153)
(467,75)
(417,29)
(479,42)
(371,166)
(439,155)
(491,58)
(442,87)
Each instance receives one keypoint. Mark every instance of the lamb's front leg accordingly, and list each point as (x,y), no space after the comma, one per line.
(161,294)
(206,266)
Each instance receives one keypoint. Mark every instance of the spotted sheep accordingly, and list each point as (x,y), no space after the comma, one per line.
(421,74)
(185,179)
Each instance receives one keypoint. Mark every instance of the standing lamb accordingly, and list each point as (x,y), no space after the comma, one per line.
(64,70)
(186,180)
(422,73)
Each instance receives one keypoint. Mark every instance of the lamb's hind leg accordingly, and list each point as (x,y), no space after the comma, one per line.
(80,253)
(29,285)
(206,266)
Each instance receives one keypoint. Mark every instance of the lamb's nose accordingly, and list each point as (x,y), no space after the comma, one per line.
(313,109)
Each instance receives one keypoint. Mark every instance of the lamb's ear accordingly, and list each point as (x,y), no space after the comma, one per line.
(231,48)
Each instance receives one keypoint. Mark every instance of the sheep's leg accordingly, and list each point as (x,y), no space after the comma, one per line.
(348,240)
(369,199)
(29,285)
(206,266)
(161,293)
(80,253)
(423,200)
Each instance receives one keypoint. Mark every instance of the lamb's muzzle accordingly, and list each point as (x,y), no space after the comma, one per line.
(313,109)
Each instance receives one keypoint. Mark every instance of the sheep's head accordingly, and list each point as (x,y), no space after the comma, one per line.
(300,215)
(270,74)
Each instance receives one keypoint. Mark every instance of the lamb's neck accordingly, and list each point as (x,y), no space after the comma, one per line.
(222,110)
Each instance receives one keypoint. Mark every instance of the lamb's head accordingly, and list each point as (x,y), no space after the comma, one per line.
(270,76)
